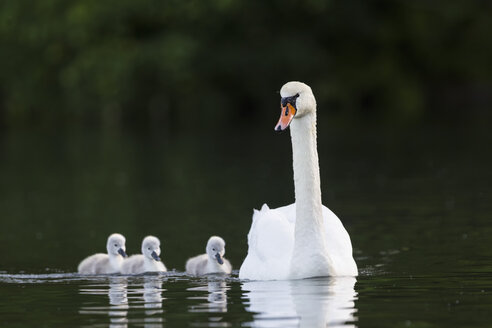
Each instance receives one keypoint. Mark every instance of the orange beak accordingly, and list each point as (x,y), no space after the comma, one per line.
(286,116)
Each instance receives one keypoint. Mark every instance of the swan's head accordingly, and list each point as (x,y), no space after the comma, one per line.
(216,249)
(116,245)
(297,100)
(151,248)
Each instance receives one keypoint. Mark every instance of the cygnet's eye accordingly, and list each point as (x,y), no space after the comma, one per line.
(115,245)
(148,248)
(213,249)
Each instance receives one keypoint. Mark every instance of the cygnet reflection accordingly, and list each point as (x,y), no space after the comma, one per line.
(118,302)
(115,288)
(316,302)
(216,299)
(152,295)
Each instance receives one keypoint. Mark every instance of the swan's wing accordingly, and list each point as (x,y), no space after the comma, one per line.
(339,245)
(337,240)
(103,266)
(92,264)
(133,265)
(84,266)
(288,212)
(138,265)
(270,243)
(196,265)
(126,265)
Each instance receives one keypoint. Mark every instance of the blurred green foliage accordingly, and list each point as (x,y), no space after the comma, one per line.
(189,63)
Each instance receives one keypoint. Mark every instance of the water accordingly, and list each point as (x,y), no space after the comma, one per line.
(417,205)
(175,300)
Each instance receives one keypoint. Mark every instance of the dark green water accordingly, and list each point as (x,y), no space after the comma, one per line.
(417,204)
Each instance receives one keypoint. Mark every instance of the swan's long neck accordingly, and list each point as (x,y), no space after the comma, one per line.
(309,256)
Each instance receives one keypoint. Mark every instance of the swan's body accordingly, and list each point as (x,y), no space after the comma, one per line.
(106,263)
(148,261)
(304,239)
(137,264)
(211,262)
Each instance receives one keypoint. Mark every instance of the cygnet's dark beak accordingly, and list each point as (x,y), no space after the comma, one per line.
(219,258)
(155,256)
(122,252)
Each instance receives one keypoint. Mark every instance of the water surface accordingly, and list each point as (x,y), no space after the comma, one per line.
(417,205)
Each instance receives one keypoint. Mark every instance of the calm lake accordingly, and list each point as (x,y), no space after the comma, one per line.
(416,202)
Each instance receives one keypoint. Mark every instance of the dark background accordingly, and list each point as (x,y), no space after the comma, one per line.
(156,117)
(181,65)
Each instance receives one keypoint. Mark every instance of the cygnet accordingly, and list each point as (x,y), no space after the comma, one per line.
(148,261)
(211,262)
(106,263)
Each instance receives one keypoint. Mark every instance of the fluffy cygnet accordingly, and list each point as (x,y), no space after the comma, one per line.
(106,263)
(211,262)
(148,261)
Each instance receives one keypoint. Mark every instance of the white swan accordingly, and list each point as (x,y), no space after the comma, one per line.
(148,261)
(212,262)
(304,239)
(106,263)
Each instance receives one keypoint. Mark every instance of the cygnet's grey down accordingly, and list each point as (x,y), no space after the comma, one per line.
(148,261)
(211,262)
(106,263)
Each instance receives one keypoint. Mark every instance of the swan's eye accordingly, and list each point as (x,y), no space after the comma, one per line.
(213,249)
(289,100)
(148,248)
(115,245)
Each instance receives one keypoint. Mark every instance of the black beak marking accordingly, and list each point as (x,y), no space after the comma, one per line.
(219,258)
(155,256)
(289,100)
(122,252)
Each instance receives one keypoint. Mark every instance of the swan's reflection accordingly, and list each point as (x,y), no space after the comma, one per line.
(146,302)
(121,294)
(216,297)
(118,293)
(216,300)
(118,301)
(317,302)
(152,297)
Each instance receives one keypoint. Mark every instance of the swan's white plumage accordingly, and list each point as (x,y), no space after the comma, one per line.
(138,263)
(145,262)
(105,263)
(304,239)
(97,264)
(207,263)
(271,243)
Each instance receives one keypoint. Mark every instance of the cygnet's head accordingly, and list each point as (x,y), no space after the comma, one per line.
(297,100)
(216,249)
(116,245)
(151,248)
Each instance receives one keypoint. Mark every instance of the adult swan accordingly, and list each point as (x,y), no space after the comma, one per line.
(304,239)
